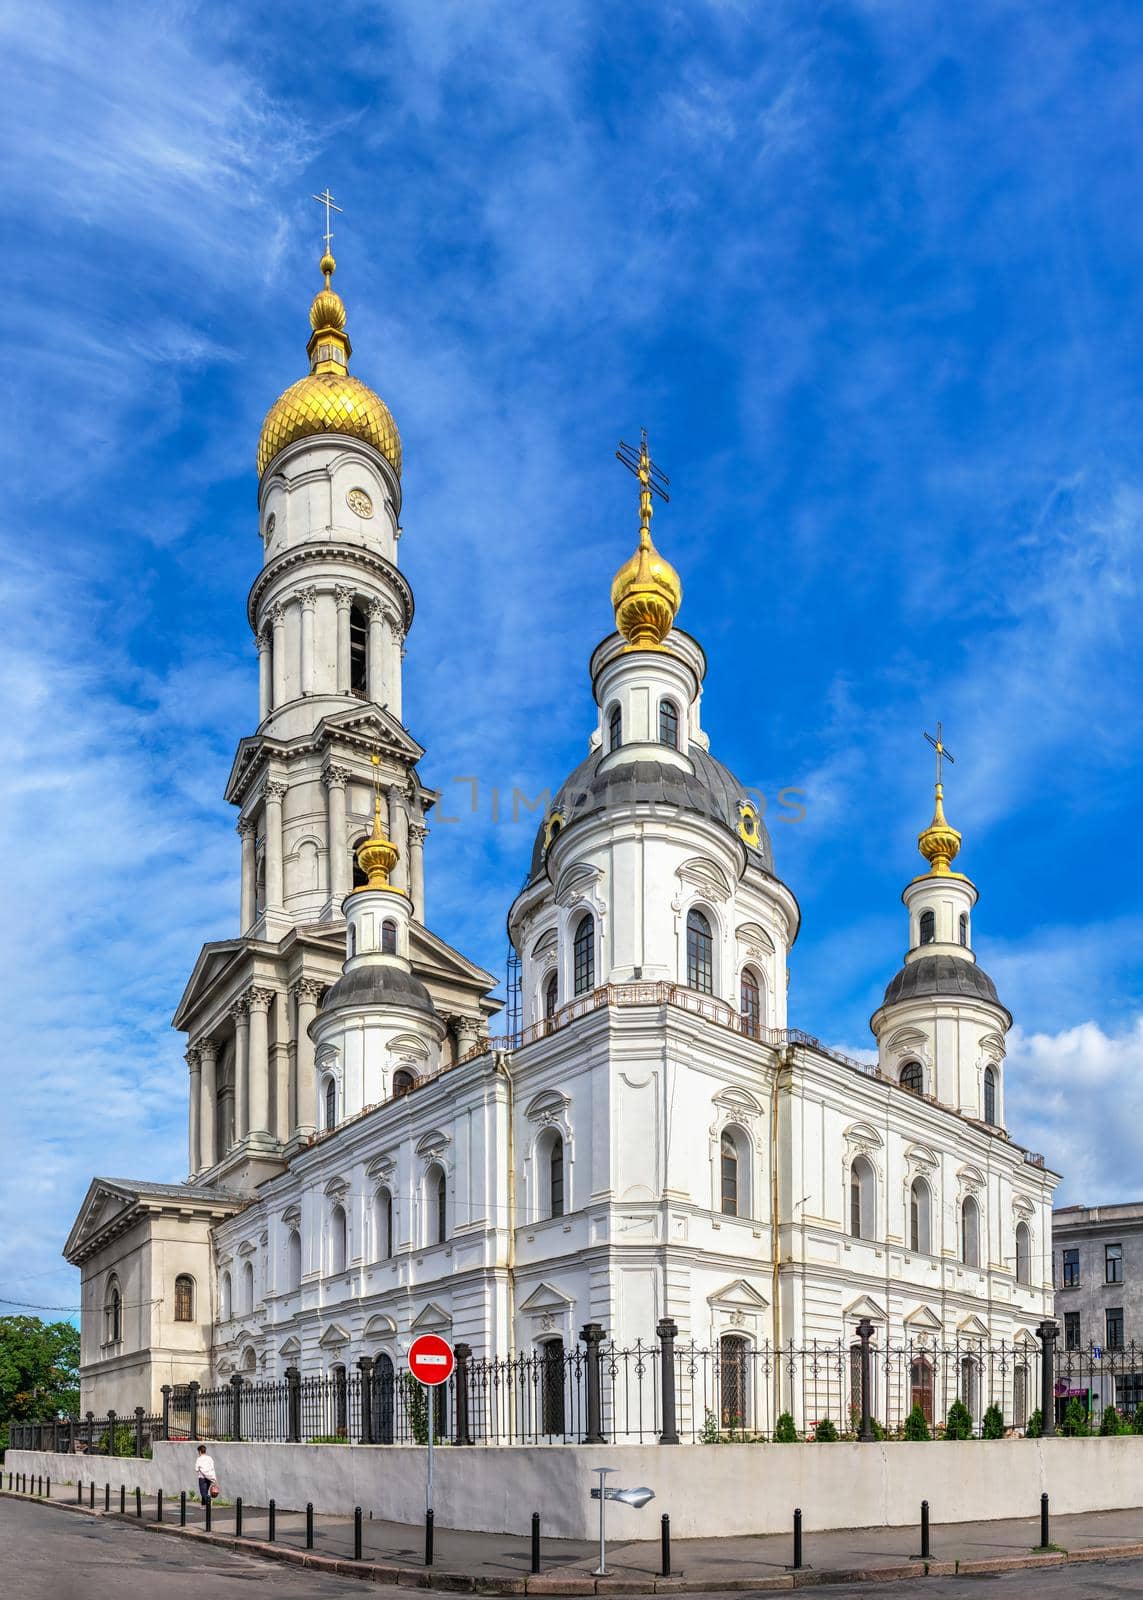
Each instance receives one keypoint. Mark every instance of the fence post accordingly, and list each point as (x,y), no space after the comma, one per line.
(139,1415)
(272,1522)
(463,1354)
(668,1332)
(865,1334)
(365,1391)
(192,1396)
(166,1393)
(1047,1333)
(236,1406)
(159,1506)
(293,1405)
(90,1419)
(112,1424)
(592,1336)
(138,1501)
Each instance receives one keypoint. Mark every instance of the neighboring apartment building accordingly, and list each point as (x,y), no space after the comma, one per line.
(1097,1265)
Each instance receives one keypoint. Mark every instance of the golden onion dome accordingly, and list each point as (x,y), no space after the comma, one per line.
(377,855)
(646,592)
(329,399)
(940,841)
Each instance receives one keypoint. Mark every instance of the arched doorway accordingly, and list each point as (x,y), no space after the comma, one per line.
(384,1399)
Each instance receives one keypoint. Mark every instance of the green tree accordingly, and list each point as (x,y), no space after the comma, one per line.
(959,1423)
(1075,1424)
(1110,1423)
(916,1427)
(1137,1419)
(784,1431)
(825,1431)
(39,1371)
(992,1424)
(1035,1428)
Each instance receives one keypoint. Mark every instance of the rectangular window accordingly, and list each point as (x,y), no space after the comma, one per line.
(1113,1263)
(1071,1330)
(1114,1321)
(1129,1392)
(1071,1269)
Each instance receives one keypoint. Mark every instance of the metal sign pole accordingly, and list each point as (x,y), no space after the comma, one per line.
(428,1394)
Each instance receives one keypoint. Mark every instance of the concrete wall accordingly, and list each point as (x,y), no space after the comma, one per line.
(719,1490)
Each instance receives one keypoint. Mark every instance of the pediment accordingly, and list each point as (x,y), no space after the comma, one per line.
(546,1297)
(705,875)
(906,1039)
(336,1188)
(922,1319)
(574,880)
(291,1218)
(863,1133)
(291,1348)
(455,983)
(334,1336)
(432,1143)
(547,941)
(247,1248)
(971,1177)
(754,934)
(921,1156)
(1023,1206)
(380,1327)
(740,1294)
(864,1306)
(382,1167)
(547,1104)
(738,1101)
(213,963)
(972,1328)
(431,1316)
(409,1047)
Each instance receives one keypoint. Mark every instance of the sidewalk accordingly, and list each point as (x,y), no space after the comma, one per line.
(502,1563)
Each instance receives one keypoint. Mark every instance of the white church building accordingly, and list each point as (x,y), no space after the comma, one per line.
(369,1160)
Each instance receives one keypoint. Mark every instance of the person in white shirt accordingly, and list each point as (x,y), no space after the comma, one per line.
(207,1475)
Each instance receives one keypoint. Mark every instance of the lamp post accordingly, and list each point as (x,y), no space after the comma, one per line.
(627,1497)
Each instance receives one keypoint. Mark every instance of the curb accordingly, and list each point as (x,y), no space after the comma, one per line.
(553,1584)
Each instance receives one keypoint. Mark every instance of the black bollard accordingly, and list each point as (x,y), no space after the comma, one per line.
(159,1506)
(535,1541)
(91,1500)
(357,1533)
(309,1524)
(209,1503)
(122,1500)
(665,1543)
(1045,1534)
(273,1522)
(138,1502)
(797,1539)
(106,1496)
(926,1551)
(182,1508)
(428,1538)
(78,1493)
(238,1517)
(39,1488)
(49,1491)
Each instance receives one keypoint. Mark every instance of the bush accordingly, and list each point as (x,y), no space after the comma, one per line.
(959,1423)
(992,1425)
(1137,1419)
(825,1432)
(916,1427)
(417,1405)
(785,1432)
(1075,1424)
(1035,1428)
(1110,1424)
(876,1429)
(124,1441)
(709,1432)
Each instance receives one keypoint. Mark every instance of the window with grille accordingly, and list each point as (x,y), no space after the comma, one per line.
(551,996)
(184,1298)
(913,1077)
(928,927)
(388,938)
(729,1163)
(990,1095)
(700,953)
(750,1004)
(556,1176)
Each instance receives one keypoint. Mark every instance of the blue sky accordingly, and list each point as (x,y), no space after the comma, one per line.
(869,273)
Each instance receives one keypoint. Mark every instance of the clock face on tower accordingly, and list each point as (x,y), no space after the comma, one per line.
(359,503)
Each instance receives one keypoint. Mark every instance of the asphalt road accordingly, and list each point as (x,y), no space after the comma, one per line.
(47,1553)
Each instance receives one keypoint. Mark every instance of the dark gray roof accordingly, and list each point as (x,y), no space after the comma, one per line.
(172,1191)
(713,791)
(378,983)
(941,975)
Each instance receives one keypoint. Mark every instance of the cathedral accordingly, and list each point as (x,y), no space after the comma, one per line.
(371,1157)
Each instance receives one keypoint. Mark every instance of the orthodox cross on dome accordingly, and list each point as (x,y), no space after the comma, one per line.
(652,480)
(327,201)
(943,754)
(940,841)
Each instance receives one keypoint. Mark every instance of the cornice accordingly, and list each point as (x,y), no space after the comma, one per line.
(332,551)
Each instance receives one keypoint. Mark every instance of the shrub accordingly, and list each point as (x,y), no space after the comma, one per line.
(417,1407)
(825,1432)
(1035,1428)
(876,1429)
(1110,1423)
(916,1426)
(1137,1419)
(124,1444)
(1075,1424)
(785,1432)
(959,1423)
(992,1425)
(709,1432)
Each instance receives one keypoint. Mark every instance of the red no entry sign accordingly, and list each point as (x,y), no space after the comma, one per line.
(431,1359)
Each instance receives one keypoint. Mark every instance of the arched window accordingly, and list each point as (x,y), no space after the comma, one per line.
(552,1372)
(614,729)
(970,1232)
(928,927)
(184,1298)
(733,1381)
(360,876)
(248,1288)
(388,937)
(382,1225)
(1023,1253)
(249,1359)
(990,1095)
(403,1081)
(225,1306)
(338,1240)
(970,1386)
(294,1260)
(920,1230)
(700,953)
(556,1176)
(551,996)
(358,650)
(862,1198)
(669,724)
(584,954)
(921,1385)
(330,1104)
(112,1313)
(1020,1395)
(351,939)
(750,1004)
(913,1077)
(728,1165)
(962,927)
(436,1206)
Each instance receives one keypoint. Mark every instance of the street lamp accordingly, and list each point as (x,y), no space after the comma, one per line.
(628,1497)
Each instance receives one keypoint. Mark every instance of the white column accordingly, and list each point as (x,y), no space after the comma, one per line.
(265,676)
(280,1068)
(278,623)
(249,888)
(259,1063)
(417,835)
(194,1150)
(396,656)
(208,1111)
(335,780)
(241,1068)
(344,599)
(307,992)
(399,833)
(274,792)
(375,668)
(308,598)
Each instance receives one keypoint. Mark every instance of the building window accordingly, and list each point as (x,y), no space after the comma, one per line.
(970,1232)
(359,875)
(990,1096)
(294,1260)
(700,953)
(338,1240)
(614,729)
(584,954)
(112,1313)
(668,724)
(382,1225)
(403,1081)
(750,1004)
(962,928)
(358,650)
(970,1386)
(248,1288)
(552,1365)
(862,1198)
(184,1298)
(921,1385)
(1020,1395)
(1113,1263)
(913,1077)
(436,1205)
(556,1178)
(388,938)
(551,996)
(1113,1318)
(1071,1330)
(733,1374)
(351,938)
(330,1104)
(1071,1269)
(928,927)
(225,1306)
(729,1168)
(1129,1392)
(1023,1253)
(920,1236)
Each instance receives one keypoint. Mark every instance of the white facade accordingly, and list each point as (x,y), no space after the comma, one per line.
(365,1162)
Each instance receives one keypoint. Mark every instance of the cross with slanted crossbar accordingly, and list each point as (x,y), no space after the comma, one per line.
(326,200)
(942,753)
(652,480)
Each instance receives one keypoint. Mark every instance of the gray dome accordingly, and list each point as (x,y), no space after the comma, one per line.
(712,791)
(378,984)
(941,975)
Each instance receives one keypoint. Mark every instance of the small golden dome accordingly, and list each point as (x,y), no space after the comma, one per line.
(646,593)
(940,841)
(377,855)
(329,399)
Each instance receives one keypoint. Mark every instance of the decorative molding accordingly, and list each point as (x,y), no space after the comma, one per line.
(548,1106)
(706,876)
(258,998)
(343,596)
(274,789)
(377,609)
(335,777)
(308,597)
(308,989)
(246,828)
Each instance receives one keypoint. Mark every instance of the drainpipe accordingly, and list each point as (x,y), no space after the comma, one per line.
(500,1065)
(785,1063)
